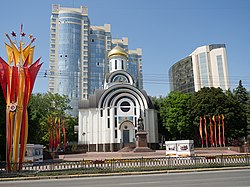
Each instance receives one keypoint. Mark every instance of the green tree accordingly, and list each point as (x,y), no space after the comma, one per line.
(207,101)
(175,115)
(70,123)
(40,107)
(213,102)
(242,96)
(248,121)
(38,110)
(234,118)
(158,104)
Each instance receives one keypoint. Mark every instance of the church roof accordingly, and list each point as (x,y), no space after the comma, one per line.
(117,51)
(95,99)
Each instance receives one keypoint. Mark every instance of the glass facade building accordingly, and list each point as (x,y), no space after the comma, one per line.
(181,76)
(68,54)
(78,54)
(205,67)
(135,66)
(99,45)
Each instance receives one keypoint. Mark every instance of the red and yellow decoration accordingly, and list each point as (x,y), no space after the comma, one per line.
(56,125)
(17,77)
(215,134)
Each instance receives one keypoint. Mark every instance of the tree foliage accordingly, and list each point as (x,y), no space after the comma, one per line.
(208,101)
(43,106)
(175,115)
(243,98)
(241,94)
(179,113)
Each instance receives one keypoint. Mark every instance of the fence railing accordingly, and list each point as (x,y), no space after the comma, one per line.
(114,165)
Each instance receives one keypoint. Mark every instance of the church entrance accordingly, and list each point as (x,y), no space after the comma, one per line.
(125,136)
(127,130)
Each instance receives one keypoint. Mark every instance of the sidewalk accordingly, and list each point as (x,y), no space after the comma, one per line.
(124,155)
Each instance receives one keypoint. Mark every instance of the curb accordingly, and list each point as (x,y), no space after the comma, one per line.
(124,173)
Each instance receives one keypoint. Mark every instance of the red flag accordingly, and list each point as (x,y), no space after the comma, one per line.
(202,141)
(205,130)
(223,130)
(211,131)
(64,135)
(215,137)
(219,130)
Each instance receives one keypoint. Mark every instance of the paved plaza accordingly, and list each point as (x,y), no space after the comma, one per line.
(123,155)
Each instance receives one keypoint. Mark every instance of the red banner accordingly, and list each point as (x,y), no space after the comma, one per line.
(211,132)
(219,134)
(201,135)
(205,130)
(215,137)
(223,130)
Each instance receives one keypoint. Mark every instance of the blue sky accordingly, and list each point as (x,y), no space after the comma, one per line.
(167,31)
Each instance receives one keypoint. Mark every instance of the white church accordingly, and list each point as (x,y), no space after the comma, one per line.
(108,119)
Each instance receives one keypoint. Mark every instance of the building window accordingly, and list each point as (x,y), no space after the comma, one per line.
(122,65)
(115,64)
(125,106)
(108,122)
(220,71)
(203,69)
(115,121)
(108,110)
(115,133)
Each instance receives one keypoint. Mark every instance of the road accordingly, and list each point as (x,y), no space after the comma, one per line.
(232,178)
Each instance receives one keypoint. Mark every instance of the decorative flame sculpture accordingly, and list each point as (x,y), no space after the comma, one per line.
(17,80)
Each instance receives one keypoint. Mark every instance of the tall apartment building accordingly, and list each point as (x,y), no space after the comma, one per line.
(78,54)
(135,66)
(99,45)
(68,68)
(205,67)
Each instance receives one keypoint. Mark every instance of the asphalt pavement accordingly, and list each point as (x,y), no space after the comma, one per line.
(228,178)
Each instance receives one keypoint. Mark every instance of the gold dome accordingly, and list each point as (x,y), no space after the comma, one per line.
(118,51)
